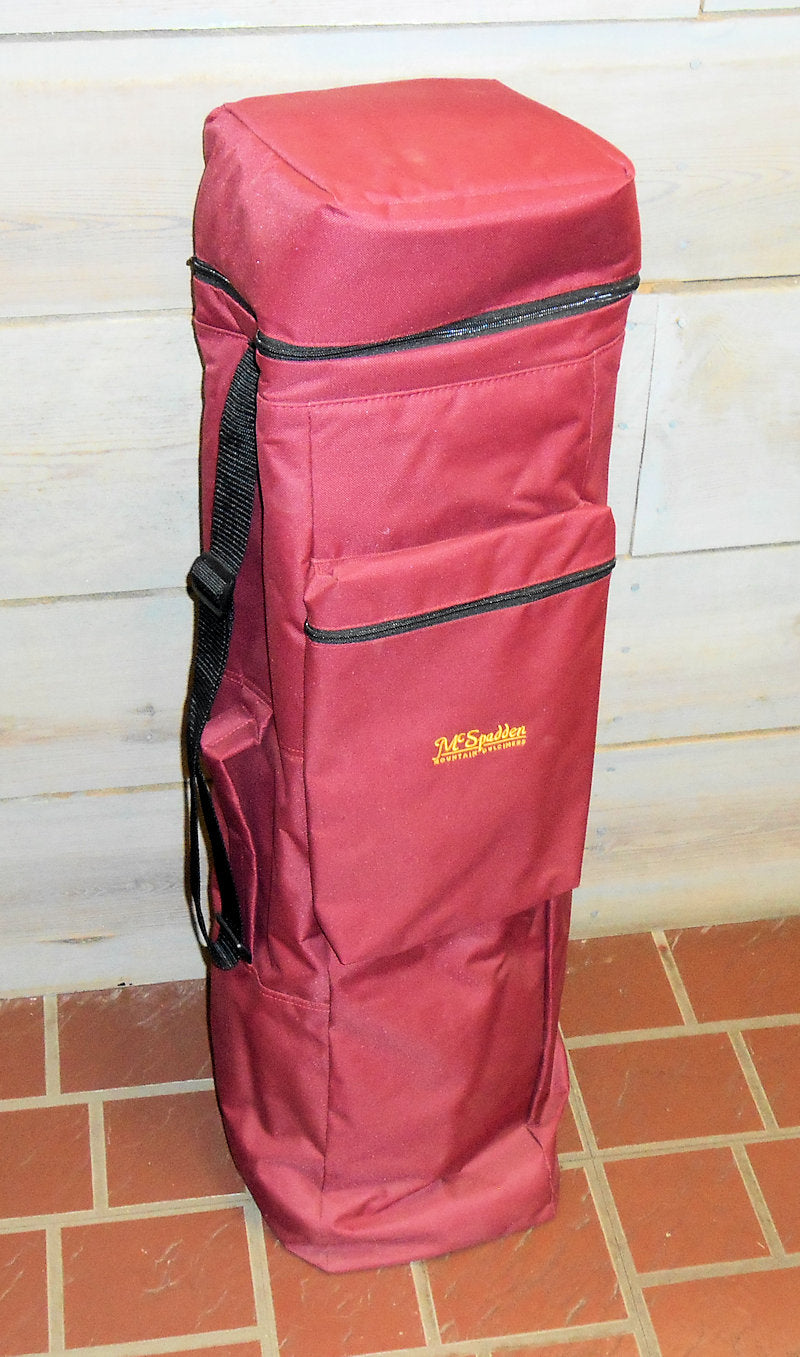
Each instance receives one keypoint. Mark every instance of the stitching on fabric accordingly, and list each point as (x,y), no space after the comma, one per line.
(441,386)
(482,194)
(550,1024)
(247,686)
(328,1084)
(310,461)
(312,1005)
(549,1166)
(278,155)
(221,330)
(423,546)
(243,724)
(446,386)
(590,439)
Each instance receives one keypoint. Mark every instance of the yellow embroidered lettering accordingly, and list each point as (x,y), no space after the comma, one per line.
(468,744)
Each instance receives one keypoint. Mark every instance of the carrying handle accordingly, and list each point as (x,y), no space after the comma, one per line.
(212,581)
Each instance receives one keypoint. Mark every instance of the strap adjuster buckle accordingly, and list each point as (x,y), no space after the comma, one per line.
(211,583)
(227,950)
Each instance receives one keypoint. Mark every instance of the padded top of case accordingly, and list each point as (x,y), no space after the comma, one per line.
(348,216)
(412,141)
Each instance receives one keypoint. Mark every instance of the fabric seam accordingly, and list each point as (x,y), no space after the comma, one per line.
(439,541)
(221,329)
(294,1001)
(441,386)
(590,439)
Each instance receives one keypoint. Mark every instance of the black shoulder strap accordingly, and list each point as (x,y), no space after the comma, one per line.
(211,582)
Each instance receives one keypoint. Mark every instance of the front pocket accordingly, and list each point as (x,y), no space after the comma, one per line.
(451,706)
(237,756)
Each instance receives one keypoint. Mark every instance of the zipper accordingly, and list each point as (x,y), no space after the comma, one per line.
(206,273)
(455,612)
(577,302)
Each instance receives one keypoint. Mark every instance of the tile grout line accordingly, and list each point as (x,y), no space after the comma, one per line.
(177,1206)
(758,1201)
(150,1347)
(55,1290)
(426,1304)
(71,1099)
(55,1258)
(713,1028)
(571,1339)
(674,977)
(703,1271)
(581,1114)
(97,1151)
(611,1225)
(622,1259)
(262,1286)
(52,1054)
(753,1080)
(644,1149)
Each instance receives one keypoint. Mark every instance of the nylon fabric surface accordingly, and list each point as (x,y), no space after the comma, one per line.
(404,817)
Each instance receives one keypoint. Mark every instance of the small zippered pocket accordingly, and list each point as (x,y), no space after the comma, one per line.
(455,612)
(576,302)
(451,702)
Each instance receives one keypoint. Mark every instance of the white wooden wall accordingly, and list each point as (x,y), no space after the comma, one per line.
(695,808)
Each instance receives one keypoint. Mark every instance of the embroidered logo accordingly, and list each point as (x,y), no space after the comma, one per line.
(468,744)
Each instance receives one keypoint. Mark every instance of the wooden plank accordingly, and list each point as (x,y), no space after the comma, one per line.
(679,834)
(102,146)
(105,474)
(702,644)
(692,833)
(696,645)
(93,693)
(98,454)
(93,891)
(752,6)
(104,16)
(630,415)
(150,952)
(721,465)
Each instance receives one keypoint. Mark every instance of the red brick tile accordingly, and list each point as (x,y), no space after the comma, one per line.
(23,1294)
(45,1166)
(681,1210)
(324,1315)
(624,1345)
(670,1088)
(550,1277)
(756,1314)
(166,1147)
(616,985)
(776,1054)
(569,1137)
(749,970)
(141,1034)
(22,1043)
(130,1280)
(777,1168)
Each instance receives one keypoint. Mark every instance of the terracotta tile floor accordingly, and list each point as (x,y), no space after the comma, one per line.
(125,1230)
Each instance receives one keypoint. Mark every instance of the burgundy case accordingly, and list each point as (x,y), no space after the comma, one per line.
(410,301)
